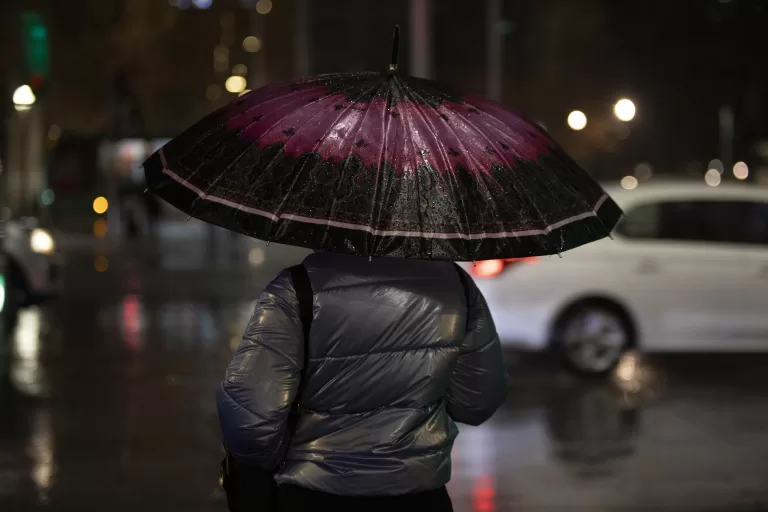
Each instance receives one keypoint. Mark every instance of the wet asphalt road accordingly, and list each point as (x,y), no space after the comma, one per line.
(106,403)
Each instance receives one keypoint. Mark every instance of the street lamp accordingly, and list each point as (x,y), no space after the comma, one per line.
(24,98)
(577,120)
(625,110)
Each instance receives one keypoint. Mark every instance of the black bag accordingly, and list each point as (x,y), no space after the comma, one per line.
(247,487)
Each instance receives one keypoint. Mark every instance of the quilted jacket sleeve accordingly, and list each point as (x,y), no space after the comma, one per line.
(479,381)
(262,380)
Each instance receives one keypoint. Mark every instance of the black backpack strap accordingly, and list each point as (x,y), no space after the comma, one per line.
(463,279)
(306,298)
(465,286)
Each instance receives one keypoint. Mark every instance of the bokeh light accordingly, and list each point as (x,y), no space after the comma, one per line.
(717,165)
(47,197)
(264,6)
(625,110)
(252,44)
(712,177)
(240,70)
(100,205)
(577,120)
(740,171)
(100,263)
(54,132)
(24,97)
(629,182)
(643,171)
(100,228)
(236,84)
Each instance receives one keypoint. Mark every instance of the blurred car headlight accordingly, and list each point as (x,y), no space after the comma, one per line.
(2,292)
(41,241)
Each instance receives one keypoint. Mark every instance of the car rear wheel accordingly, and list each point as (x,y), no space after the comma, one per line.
(592,336)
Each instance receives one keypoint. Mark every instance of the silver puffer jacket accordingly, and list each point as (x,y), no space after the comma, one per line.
(396,356)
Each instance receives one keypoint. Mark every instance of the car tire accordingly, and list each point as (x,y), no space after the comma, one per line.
(591,336)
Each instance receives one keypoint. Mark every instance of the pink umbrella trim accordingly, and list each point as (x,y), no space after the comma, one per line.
(379,232)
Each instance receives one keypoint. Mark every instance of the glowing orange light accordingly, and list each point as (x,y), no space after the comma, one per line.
(492,268)
(484,495)
(100,228)
(131,332)
(101,263)
(488,268)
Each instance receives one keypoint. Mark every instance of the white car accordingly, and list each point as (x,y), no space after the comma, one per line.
(33,266)
(686,270)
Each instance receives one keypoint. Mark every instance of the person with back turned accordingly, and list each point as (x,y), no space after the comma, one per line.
(397,353)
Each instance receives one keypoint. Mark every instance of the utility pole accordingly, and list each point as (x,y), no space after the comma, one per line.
(257,68)
(726,123)
(301,44)
(421,38)
(494,49)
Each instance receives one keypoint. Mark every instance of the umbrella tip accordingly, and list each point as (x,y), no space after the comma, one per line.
(395,49)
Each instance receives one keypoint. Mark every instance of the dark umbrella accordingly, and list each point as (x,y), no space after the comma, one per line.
(377,164)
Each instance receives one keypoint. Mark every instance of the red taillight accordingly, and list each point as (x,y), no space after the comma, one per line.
(492,268)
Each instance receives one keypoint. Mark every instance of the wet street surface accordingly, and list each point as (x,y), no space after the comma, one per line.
(107,403)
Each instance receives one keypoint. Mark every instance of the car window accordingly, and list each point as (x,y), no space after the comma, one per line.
(739,222)
(641,222)
(756,227)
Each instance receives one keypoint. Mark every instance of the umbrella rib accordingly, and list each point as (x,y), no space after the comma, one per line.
(359,129)
(413,153)
(199,141)
(447,159)
(470,156)
(339,183)
(276,213)
(506,162)
(260,104)
(580,197)
(255,142)
(379,170)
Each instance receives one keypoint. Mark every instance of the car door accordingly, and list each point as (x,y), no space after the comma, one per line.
(753,332)
(694,270)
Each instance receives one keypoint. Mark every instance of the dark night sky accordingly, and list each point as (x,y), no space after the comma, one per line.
(678,60)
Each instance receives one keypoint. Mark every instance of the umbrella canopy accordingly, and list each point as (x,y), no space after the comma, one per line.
(375,164)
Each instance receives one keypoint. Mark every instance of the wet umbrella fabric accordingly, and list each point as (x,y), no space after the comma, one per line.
(375,164)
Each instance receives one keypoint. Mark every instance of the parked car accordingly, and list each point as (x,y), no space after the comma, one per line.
(686,270)
(34,267)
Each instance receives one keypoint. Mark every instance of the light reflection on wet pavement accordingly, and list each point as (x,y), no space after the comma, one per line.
(106,403)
